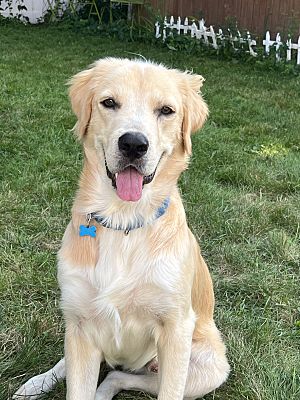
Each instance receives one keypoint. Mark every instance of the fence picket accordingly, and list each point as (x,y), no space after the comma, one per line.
(165,29)
(178,25)
(298,55)
(267,43)
(185,26)
(213,36)
(171,24)
(203,32)
(251,43)
(277,46)
(193,30)
(289,49)
(157,30)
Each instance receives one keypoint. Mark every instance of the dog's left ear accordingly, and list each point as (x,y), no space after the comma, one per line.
(195,110)
(81,96)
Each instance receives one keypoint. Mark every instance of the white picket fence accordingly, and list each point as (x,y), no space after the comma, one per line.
(278,43)
(217,39)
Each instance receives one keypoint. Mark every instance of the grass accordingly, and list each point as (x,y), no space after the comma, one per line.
(241,194)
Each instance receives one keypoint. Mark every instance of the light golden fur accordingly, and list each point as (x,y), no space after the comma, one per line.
(128,299)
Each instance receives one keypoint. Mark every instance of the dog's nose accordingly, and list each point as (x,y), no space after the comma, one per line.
(133,145)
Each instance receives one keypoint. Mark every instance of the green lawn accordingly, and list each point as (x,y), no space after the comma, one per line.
(241,194)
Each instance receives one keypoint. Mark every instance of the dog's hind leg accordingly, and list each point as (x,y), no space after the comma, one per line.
(208,369)
(118,380)
(43,383)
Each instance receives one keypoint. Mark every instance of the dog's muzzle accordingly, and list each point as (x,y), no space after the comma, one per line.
(129,179)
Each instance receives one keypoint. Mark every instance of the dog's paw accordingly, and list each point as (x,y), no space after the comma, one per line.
(34,388)
(27,392)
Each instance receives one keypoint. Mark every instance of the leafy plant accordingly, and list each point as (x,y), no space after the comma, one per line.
(8,5)
(111,20)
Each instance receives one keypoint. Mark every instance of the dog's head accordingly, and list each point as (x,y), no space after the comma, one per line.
(135,115)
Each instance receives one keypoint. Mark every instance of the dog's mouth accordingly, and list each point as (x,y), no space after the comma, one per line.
(129,182)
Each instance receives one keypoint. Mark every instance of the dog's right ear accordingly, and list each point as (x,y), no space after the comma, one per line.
(81,96)
(194,107)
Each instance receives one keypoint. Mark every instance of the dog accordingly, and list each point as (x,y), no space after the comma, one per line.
(135,290)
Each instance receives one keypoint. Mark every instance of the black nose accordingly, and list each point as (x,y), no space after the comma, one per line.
(133,145)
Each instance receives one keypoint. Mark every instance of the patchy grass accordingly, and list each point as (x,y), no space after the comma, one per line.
(241,194)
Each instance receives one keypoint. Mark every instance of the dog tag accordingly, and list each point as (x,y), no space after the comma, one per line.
(87,231)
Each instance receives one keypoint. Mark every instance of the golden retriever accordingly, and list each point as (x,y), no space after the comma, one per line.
(135,291)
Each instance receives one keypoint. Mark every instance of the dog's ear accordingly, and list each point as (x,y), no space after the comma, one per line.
(81,96)
(195,110)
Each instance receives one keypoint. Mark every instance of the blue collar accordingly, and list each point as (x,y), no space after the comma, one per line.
(91,230)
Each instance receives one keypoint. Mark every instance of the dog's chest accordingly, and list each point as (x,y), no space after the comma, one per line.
(130,277)
(132,292)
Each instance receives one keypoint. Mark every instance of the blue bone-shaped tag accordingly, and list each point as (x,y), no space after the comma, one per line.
(87,231)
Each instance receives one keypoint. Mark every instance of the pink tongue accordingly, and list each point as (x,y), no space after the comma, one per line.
(129,184)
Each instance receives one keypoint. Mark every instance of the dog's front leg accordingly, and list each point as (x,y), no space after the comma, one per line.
(82,365)
(174,350)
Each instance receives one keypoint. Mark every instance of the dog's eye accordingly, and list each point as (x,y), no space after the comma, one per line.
(109,103)
(166,110)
